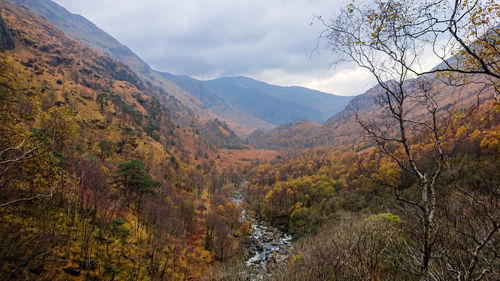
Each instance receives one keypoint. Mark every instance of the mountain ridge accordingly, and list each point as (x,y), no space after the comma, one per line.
(83,30)
(342,128)
(237,117)
(277,104)
(218,105)
(327,103)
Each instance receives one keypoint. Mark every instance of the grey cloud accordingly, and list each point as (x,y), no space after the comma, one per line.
(263,39)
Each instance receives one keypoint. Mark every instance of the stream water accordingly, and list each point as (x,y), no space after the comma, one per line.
(269,246)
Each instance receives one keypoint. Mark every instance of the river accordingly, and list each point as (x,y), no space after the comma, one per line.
(269,246)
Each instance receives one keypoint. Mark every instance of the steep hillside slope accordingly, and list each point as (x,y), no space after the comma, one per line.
(83,30)
(267,107)
(98,179)
(86,32)
(6,41)
(104,94)
(185,109)
(275,104)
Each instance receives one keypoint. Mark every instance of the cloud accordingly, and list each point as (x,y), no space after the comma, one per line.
(271,41)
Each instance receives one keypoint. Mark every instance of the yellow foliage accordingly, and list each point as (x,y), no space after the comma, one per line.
(389,172)
(245,229)
(269,195)
(491,142)
(461,131)
(220,210)
(384,217)
(475,134)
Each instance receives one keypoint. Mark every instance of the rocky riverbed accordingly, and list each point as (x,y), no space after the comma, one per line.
(269,246)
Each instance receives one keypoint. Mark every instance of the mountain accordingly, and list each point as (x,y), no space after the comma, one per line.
(326,103)
(296,134)
(86,32)
(261,105)
(277,104)
(209,107)
(97,88)
(99,180)
(213,101)
(342,128)
(244,104)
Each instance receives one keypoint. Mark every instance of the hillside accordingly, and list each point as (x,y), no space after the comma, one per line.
(342,128)
(297,134)
(86,32)
(218,105)
(98,178)
(244,104)
(276,104)
(101,98)
(106,176)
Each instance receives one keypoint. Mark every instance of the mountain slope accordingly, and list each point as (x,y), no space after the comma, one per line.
(96,173)
(86,32)
(294,102)
(218,105)
(275,104)
(326,103)
(88,82)
(342,128)
(291,135)
(82,123)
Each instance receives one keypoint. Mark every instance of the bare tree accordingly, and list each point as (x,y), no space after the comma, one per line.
(19,147)
(30,147)
(467,29)
(389,39)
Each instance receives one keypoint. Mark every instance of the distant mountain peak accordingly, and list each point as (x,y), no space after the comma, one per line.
(277,104)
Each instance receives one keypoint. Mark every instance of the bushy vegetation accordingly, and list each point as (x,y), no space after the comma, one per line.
(97,181)
(328,195)
(100,181)
(422,202)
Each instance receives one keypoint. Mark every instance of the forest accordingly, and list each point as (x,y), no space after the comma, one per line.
(106,177)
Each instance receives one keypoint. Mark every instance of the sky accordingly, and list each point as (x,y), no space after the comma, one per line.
(268,40)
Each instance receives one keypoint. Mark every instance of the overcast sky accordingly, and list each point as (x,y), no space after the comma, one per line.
(268,40)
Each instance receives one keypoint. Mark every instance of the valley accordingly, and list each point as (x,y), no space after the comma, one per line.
(111,170)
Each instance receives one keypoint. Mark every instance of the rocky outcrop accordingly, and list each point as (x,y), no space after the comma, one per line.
(6,41)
